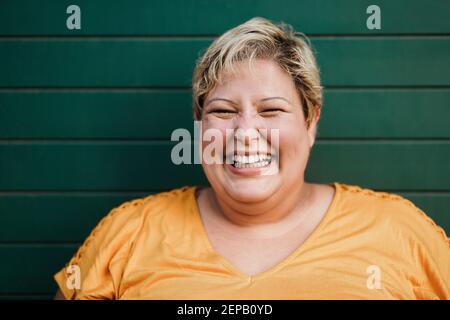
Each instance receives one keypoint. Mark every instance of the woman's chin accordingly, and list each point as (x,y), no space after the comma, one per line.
(250,184)
(251,189)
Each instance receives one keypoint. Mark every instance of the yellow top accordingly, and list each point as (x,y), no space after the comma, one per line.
(369,245)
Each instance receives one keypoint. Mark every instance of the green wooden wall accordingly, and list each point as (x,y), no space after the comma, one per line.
(86,115)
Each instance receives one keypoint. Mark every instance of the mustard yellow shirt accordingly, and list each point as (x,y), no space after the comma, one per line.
(369,245)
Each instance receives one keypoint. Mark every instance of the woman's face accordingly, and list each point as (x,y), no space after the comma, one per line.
(263,102)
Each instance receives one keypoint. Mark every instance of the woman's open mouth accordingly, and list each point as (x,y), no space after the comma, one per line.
(251,165)
(251,161)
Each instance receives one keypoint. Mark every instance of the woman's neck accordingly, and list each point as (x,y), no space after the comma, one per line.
(275,215)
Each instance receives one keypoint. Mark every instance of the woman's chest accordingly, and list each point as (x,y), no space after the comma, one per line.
(196,279)
(252,257)
(321,271)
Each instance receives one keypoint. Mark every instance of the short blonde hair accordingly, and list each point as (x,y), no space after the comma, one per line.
(259,38)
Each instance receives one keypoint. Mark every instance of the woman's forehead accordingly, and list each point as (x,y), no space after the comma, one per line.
(260,80)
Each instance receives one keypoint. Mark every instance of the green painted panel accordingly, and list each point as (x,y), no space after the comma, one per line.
(131,165)
(385,114)
(30,267)
(103,62)
(179,17)
(169,62)
(53,218)
(392,165)
(124,115)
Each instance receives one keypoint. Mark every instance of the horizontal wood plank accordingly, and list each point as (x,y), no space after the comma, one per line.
(170,62)
(179,17)
(30,268)
(53,218)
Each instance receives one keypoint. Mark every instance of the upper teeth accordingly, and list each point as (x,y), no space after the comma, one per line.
(251,159)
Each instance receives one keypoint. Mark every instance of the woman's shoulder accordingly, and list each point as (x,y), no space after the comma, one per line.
(138,209)
(395,227)
(125,222)
(392,209)
(104,253)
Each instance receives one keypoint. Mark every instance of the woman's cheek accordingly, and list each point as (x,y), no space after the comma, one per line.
(293,144)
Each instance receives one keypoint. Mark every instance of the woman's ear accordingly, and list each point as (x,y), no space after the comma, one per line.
(312,129)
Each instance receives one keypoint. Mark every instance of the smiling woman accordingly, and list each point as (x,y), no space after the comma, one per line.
(261,231)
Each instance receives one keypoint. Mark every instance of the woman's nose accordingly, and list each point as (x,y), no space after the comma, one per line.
(247,119)
(247,127)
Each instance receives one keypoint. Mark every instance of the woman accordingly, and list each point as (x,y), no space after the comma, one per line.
(261,231)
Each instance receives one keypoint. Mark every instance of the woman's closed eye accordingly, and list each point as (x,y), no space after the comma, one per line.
(271,111)
(222,112)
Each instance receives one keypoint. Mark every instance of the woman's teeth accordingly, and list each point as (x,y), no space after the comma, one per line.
(253,161)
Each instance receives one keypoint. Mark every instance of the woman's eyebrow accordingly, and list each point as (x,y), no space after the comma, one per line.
(232,102)
(222,99)
(270,98)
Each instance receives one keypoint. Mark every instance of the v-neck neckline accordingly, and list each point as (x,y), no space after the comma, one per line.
(200,227)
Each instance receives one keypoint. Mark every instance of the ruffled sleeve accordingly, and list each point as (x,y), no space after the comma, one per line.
(429,248)
(94,272)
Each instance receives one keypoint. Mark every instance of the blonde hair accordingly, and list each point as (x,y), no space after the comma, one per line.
(259,38)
